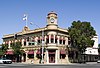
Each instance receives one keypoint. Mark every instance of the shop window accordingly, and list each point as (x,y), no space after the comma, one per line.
(38,56)
(30,55)
(62,56)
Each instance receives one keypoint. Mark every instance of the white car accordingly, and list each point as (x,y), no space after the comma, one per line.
(5,61)
(98,61)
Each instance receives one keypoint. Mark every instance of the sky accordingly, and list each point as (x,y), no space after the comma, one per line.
(12,12)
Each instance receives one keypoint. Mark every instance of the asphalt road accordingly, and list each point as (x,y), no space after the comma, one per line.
(19,65)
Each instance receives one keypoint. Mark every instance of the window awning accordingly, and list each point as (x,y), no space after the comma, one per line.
(9,53)
(39,52)
(62,52)
(51,52)
(31,52)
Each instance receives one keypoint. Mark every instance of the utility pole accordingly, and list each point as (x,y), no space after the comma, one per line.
(42,61)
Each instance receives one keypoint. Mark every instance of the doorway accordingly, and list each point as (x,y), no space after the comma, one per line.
(51,56)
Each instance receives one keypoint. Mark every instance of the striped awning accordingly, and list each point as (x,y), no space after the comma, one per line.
(62,52)
(31,52)
(9,52)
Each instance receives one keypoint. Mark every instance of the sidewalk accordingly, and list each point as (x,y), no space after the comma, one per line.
(59,64)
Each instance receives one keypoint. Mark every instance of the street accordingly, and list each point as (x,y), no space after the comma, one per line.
(20,65)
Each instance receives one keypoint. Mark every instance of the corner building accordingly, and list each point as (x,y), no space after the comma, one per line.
(53,39)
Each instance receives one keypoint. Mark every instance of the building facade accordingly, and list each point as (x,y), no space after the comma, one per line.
(92,52)
(52,39)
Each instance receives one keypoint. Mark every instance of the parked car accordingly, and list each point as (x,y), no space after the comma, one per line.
(98,61)
(5,61)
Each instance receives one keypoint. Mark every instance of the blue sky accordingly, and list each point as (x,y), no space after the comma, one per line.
(12,11)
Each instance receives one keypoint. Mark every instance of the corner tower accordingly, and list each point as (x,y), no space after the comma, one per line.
(52,20)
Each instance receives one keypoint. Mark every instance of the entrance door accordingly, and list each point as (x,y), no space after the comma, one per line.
(51,56)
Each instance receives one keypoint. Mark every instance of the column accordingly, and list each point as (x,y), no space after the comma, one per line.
(56,57)
(47,57)
(36,42)
(27,42)
(49,38)
(9,44)
(35,55)
(67,60)
(58,40)
(54,38)
(22,42)
(45,40)
(22,59)
(66,40)
(26,56)
(62,40)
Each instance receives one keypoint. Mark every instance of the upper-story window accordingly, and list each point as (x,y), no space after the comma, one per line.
(24,42)
(63,41)
(39,41)
(29,43)
(56,39)
(47,39)
(52,39)
(32,41)
(60,40)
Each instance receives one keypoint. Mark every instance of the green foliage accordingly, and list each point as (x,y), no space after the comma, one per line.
(17,48)
(3,48)
(99,46)
(81,34)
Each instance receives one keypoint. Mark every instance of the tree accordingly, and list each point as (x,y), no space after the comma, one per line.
(99,48)
(3,49)
(81,34)
(17,50)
